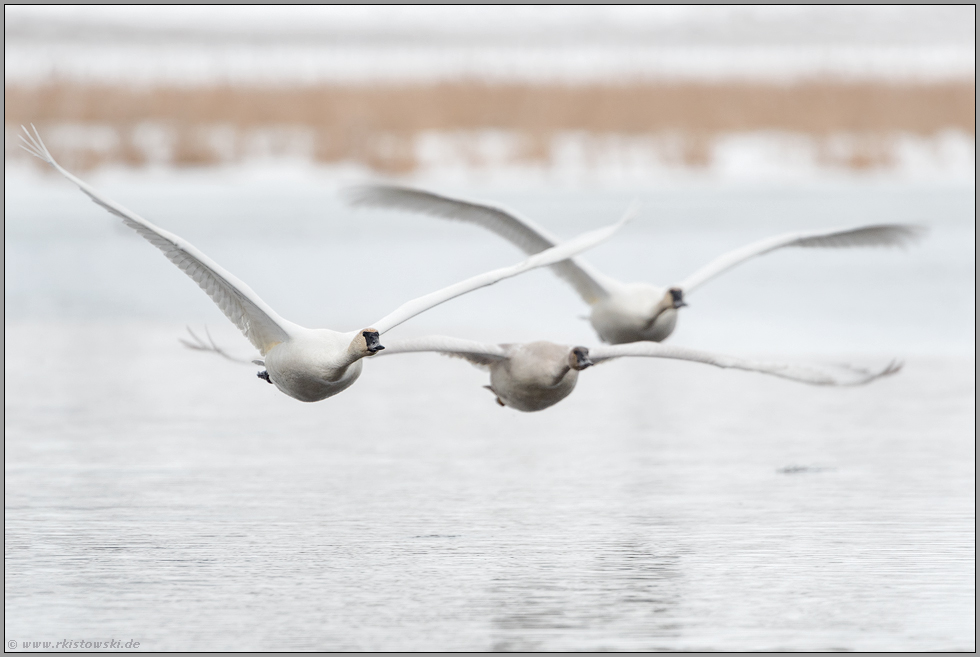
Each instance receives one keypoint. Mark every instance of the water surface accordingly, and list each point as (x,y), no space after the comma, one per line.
(157,494)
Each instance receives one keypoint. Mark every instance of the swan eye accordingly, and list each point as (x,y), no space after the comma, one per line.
(677,297)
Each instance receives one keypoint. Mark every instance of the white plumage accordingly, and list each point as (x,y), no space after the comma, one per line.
(307,364)
(621,312)
(535,375)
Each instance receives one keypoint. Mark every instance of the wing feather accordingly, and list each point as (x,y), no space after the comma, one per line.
(475,352)
(197,343)
(815,375)
(523,233)
(876,235)
(260,324)
(543,259)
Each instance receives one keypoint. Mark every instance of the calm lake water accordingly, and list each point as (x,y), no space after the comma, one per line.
(170,497)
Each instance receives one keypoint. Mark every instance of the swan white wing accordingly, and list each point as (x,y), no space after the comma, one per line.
(877,235)
(548,257)
(816,375)
(475,352)
(523,233)
(260,324)
(197,343)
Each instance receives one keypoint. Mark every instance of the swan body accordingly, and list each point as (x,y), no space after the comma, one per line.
(621,312)
(536,375)
(634,312)
(316,363)
(306,364)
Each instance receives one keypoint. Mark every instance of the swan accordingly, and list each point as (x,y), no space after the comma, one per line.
(306,364)
(535,375)
(621,312)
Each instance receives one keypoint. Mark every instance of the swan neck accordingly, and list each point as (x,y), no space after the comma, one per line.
(561,374)
(354,353)
(658,309)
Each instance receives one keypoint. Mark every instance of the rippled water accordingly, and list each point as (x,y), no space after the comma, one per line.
(165,496)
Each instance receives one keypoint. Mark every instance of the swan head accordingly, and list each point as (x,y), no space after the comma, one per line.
(676,298)
(367,342)
(664,315)
(578,358)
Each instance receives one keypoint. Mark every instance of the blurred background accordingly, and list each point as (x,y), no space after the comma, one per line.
(622,95)
(170,497)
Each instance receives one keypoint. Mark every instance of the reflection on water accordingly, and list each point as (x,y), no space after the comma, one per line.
(620,597)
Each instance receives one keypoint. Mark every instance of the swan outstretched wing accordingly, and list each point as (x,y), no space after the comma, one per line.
(197,343)
(840,375)
(877,235)
(522,233)
(475,352)
(260,324)
(543,259)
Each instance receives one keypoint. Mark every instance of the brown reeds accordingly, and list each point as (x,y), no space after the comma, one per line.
(377,125)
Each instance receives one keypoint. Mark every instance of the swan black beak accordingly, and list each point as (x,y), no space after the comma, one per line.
(677,296)
(582,359)
(373,340)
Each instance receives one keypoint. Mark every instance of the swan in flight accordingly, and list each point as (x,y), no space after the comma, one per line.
(621,312)
(535,375)
(306,364)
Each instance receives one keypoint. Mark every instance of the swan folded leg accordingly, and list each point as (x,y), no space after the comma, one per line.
(496,396)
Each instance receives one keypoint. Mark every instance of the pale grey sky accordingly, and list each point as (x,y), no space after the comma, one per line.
(358,43)
(666,25)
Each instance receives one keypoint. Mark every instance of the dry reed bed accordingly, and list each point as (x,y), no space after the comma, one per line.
(378,125)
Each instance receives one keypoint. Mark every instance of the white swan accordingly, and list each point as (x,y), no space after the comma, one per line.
(306,364)
(621,312)
(536,375)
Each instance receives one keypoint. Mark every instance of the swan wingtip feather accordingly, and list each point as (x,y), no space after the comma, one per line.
(34,145)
